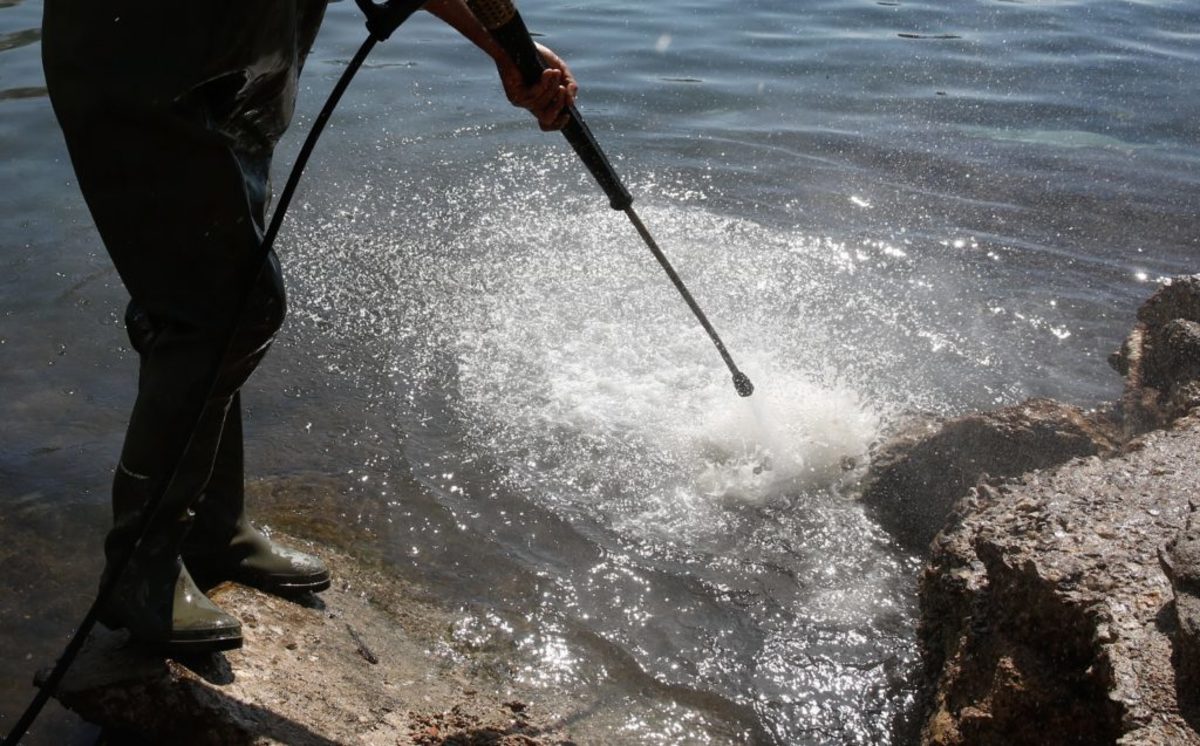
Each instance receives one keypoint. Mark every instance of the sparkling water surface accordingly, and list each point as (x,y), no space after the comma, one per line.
(884,207)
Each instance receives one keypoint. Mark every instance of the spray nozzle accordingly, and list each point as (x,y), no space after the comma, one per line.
(741,382)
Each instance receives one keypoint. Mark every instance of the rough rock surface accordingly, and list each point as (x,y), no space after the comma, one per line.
(917,476)
(1065,608)
(356,665)
(1160,359)
(1046,616)
(1181,562)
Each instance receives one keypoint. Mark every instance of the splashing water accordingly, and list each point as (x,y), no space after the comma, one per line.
(795,436)
(705,536)
(580,364)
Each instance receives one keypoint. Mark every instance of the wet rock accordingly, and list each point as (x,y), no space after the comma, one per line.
(1046,616)
(1178,298)
(1065,608)
(350,666)
(1160,359)
(916,477)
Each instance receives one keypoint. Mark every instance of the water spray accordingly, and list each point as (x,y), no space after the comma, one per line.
(501,19)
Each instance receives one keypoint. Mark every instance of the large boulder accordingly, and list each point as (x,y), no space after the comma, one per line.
(917,476)
(1046,616)
(1160,359)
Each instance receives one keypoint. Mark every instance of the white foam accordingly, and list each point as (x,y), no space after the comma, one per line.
(582,369)
(792,435)
(574,366)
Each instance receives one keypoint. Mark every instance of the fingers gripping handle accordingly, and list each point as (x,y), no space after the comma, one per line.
(501,18)
(504,23)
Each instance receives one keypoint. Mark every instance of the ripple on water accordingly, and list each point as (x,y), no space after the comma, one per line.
(726,561)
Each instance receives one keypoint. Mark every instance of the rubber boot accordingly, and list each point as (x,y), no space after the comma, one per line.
(172,158)
(224,545)
(155,597)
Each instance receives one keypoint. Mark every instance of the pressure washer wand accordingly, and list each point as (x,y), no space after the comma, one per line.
(503,21)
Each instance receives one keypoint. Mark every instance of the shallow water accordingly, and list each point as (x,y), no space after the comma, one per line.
(874,222)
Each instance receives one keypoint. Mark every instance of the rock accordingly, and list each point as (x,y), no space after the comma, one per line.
(1063,608)
(1046,616)
(915,478)
(1160,359)
(1178,298)
(1180,560)
(350,666)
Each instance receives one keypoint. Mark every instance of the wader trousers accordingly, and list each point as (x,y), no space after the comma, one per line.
(171,112)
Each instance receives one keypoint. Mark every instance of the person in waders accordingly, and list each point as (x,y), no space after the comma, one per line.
(170,113)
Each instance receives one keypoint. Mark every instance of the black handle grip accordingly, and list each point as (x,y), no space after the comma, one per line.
(514,37)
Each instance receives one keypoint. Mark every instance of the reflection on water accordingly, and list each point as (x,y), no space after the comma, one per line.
(720,555)
(19,38)
(875,223)
(27,92)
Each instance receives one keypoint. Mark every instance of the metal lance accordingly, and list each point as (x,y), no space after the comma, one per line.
(504,23)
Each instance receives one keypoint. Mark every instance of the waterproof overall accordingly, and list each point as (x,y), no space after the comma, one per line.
(171,112)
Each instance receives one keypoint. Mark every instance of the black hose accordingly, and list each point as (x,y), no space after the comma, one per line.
(109,582)
(382,20)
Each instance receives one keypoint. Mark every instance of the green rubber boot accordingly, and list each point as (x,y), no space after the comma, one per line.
(155,598)
(224,545)
(246,555)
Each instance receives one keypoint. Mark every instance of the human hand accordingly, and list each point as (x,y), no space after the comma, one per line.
(547,98)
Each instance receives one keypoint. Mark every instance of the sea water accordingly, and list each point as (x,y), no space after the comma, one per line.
(884,208)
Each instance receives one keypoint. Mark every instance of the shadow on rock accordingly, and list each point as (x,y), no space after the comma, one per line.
(1180,560)
(916,477)
(1060,601)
